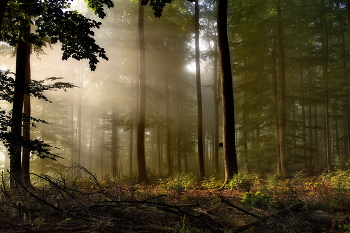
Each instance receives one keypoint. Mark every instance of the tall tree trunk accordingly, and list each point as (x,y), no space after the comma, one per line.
(317,145)
(282,94)
(72,134)
(141,157)
(199,96)
(303,114)
(347,120)
(26,122)
(102,149)
(275,104)
(79,120)
(114,145)
(326,98)
(131,151)
(91,139)
(168,130)
(159,150)
(216,109)
(179,125)
(310,131)
(229,137)
(15,149)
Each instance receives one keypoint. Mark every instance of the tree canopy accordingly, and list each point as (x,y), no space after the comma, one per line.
(52,22)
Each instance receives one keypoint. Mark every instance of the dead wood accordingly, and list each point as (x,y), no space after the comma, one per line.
(240,209)
(332,221)
(261,219)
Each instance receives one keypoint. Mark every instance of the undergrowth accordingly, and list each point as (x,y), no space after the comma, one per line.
(78,197)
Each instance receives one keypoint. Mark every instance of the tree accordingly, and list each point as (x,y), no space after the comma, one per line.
(141,158)
(229,130)
(199,96)
(282,94)
(72,29)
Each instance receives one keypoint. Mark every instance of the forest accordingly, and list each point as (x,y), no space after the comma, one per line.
(174,116)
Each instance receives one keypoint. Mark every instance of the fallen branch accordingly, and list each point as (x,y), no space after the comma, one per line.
(265,218)
(239,208)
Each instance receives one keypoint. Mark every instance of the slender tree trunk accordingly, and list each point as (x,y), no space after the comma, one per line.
(229,129)
(72,134)
(141,157)
(326,98)
(79,119)
(310,132)
(216,111)
(179,125)
(303,114)
(102,151)
(282,94)
(91,139)
(347,124)
(15,149)
(131,144)
(168,130)
(43,136)
(275,104)
(114,153)
(317,145)
(159,150)
(199,97)
(26,122)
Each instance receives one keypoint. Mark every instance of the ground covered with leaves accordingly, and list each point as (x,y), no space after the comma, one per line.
(77,202)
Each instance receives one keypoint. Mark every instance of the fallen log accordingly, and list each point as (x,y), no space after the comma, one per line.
(332,221)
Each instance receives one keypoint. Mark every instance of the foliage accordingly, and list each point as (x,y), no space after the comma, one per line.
(242,181)
(158,5)
(211,183)
(36,146)
(54,20)
(257,199)
(178,184)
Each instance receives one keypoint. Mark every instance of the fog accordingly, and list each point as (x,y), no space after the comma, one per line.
(290,78)
(84,122)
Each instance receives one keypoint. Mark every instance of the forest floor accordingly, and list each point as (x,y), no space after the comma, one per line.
(78,202)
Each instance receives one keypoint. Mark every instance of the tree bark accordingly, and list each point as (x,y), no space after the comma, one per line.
(326,98)
(216,112)
(282,94)
(26,122)
(199,96)
(15,149)
(229,137)
(114,146)
(79,119)
(179,125)
(275,104)
(168,130)
(141,157)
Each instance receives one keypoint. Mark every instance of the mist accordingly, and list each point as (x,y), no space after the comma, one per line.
(95,123)
(87,122)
